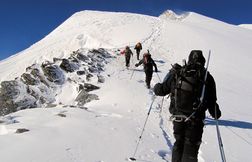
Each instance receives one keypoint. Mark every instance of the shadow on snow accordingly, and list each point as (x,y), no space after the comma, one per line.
(230,123)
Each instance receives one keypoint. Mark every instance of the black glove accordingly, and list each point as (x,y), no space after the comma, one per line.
(136,65)
(218,112)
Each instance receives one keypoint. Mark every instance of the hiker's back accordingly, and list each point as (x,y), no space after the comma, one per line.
(186,88)
(128,52)
(147,60)
(138,46)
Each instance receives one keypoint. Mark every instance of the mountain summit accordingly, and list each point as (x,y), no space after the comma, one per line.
(88,107)
(169,14)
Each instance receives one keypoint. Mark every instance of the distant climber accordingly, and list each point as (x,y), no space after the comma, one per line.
(138,48)
(128,53)
(148,64)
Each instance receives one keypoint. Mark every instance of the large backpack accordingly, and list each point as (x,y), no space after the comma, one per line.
(187,89)
(139,45)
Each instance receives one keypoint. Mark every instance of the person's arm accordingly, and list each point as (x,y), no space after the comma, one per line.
(162,89)
(139,63)
(211,98)
(154,64)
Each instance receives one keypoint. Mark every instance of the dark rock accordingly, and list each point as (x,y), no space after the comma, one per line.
(28,79)
(56,59)
(84,108)
(21,130)
(84,97)
(67,66)
(81,87)
(50,105)
(73,59)
(54,74)
(35,73)
(62,115)
(90,87)
(42,100)
(9,89)
(32,92)
(101,79)
(81,72)
(82,57)
(92,69)
(89,76)
(30,67)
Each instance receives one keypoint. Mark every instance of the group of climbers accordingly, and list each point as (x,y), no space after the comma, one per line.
(147,61)
(192,91)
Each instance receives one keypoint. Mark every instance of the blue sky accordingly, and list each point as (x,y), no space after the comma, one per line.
(24,22)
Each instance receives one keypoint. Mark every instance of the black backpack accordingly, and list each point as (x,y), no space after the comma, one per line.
(188,83)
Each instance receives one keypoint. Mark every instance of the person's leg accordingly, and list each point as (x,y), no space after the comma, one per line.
(127,61)
(138,53)
(192,143)
(178,147)
(148,78)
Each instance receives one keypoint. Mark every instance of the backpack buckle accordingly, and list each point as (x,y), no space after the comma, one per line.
(178,118)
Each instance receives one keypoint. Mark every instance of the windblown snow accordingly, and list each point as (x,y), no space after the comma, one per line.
(107,130)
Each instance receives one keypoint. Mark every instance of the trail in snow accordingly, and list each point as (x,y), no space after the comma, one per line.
(136,74)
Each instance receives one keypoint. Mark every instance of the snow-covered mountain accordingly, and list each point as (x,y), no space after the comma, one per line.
(106,130)
(247,26)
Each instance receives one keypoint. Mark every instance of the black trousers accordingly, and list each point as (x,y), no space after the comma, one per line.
(148,77)
(138,53)
(188,139)
(127,60)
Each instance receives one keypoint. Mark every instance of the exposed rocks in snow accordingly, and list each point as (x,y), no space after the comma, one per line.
(41,84)
(89,87)
(53,73)
(21,130)
(68,66)
(62,115)
(101,79)
(28,79)
(173,16)
(14,96)
(85,97)
(81,72)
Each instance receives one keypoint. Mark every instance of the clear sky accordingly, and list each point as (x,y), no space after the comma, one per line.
(24,22)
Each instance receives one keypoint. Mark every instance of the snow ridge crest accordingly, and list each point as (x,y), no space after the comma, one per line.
(170,15)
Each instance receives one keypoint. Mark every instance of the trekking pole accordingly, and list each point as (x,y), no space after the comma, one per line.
(158,77)
(140,137)
(219,138)
(132,73)
(133,69)
(203,89)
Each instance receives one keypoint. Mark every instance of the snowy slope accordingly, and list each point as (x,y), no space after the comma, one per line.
(109,129)
(247,26)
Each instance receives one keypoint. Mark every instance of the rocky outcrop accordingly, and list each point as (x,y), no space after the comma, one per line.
(40,84)
(53,73)
(85,97)
(14,96)
(68,66)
